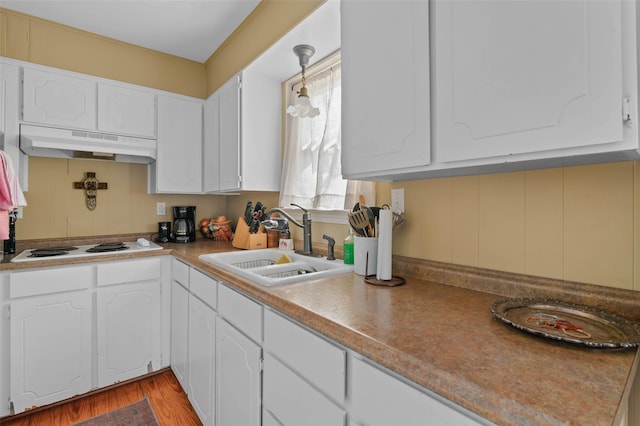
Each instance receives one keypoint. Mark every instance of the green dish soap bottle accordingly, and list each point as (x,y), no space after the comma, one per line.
(348,248)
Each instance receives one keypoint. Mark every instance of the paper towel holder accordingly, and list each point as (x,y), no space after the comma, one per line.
(393,282)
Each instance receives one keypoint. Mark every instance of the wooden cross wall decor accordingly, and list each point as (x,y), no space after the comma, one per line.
(91,185)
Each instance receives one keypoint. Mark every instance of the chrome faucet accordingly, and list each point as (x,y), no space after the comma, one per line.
(305,225)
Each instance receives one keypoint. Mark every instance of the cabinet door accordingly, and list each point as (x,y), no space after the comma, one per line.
(50,348)
(380,399)
(202,346)
(238,383)
(211,142)
(58,99)
(526,76)
(128,323)
(178,167)
(126,111)
(292,401)
(179,332)
(385,87)
(229,131)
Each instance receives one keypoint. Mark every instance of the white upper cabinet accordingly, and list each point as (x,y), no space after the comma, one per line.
(243,137)
(58,99)
(126,111)
(526,76)
(178,168)
(211,144)
(229,135)
(385,87)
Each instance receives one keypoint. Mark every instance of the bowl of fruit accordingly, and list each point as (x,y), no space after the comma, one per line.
(218,229)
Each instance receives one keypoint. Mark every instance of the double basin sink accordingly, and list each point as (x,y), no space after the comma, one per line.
(271,267)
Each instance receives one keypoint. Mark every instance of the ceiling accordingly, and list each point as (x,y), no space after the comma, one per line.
(191,29)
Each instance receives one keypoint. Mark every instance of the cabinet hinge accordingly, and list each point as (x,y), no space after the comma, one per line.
(626,112)
(9,312)
(261,365)
(12,409)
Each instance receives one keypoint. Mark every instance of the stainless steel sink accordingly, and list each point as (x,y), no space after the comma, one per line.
(260,266)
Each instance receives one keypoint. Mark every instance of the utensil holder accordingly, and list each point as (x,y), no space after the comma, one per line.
(245,240)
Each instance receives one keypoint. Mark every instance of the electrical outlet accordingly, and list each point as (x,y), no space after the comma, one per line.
(397,200)
(161,209)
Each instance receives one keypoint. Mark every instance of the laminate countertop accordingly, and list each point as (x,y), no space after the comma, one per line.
(437,330)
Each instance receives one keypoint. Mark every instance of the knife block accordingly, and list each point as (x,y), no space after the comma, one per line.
(244,240)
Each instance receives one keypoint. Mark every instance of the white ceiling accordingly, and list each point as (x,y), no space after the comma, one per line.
(191,29)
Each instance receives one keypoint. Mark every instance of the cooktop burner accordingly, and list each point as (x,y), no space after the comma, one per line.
(100,248)
(51,251)
(85,250)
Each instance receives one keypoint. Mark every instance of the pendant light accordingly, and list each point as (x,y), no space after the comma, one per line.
(303,108)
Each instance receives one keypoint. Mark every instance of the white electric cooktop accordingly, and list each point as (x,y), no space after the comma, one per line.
(67,252)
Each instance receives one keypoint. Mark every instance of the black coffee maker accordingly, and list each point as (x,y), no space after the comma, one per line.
(184,224)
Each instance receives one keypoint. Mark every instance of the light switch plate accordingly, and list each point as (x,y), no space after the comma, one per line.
(397,200)
(161,209)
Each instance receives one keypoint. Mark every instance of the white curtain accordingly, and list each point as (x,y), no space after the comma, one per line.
(312,176)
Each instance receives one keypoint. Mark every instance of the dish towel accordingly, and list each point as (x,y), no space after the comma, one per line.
(11,195)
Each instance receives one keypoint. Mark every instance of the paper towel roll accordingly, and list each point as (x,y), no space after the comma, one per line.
(385,225)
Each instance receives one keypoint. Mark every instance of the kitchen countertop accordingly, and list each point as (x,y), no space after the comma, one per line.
(443,336)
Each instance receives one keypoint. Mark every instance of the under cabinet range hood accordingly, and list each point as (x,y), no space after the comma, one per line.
(43,141)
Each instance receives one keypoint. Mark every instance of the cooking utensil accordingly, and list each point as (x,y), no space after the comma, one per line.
(359,220)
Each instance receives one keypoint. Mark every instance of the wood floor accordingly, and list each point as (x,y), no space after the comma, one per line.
(168,400)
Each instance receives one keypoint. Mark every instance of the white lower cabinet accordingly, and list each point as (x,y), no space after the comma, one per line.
(202,346)
(50,348)
(304,375)
(128,331)
(179,332)
(72,329)
(377,398)
(289,400)
(128,319)
(238,360)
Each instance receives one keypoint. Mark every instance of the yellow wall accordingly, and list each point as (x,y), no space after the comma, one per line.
(31,39)
(269,22)
(55,209)
(575,223)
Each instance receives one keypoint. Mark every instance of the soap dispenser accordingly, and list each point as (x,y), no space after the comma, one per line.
(348,248)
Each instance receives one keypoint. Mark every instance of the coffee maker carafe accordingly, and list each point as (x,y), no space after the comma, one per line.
(184,224)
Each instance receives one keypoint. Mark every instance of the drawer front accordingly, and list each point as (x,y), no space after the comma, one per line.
(314,358)
(377,398)
(292,401)
(129,271)
(240,311)
(49,280)
(180,272)
(204,288)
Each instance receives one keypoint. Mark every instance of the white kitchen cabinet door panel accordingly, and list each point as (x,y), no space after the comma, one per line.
(292,401)
(58,99)
(526,76)
(126,111)
(50,348)
(385,86)
(178,168)
(238,384)
(241,311)
(312,357)
(229,131)
(129,338)
(127,271)
(211,144)
(378,399)
(180,333)
(202,355)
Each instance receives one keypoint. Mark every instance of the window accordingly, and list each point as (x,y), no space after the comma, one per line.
(312,173)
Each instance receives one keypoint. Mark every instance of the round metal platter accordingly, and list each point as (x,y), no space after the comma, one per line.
(589,326)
